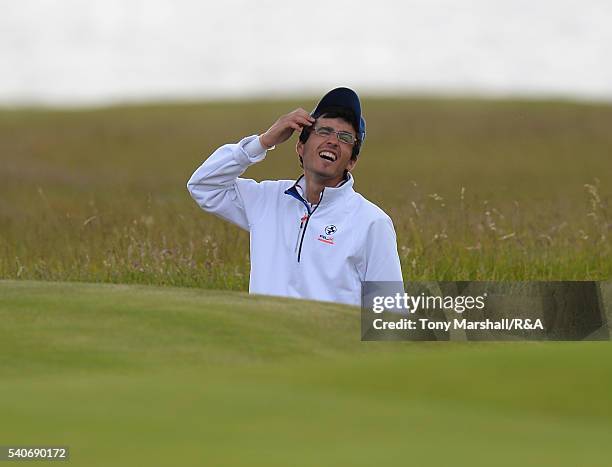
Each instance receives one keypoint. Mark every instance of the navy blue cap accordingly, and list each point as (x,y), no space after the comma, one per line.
(344,98)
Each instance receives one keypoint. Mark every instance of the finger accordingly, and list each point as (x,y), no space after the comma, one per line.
(294,123)
(304,123)
(302,113)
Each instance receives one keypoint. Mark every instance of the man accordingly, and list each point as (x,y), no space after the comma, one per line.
(314,238)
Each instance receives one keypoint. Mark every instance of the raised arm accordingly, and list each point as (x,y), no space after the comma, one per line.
(216,185)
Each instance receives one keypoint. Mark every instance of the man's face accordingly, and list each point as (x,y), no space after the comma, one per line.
(326,157)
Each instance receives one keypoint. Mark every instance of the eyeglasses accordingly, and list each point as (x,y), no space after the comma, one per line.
(343,136)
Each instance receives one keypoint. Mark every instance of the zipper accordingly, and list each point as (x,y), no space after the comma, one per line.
(305,218)
(297,239)
(306,225)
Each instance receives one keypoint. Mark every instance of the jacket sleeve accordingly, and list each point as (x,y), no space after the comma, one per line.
(216,188)
(382,260)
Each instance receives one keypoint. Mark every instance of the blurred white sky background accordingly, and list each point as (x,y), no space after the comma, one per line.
(72,52)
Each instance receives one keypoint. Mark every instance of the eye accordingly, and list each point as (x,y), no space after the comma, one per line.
(346,137)
(324,131)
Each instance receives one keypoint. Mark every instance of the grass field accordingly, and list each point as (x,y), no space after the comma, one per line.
(137,374)
(478,190)
(143,375)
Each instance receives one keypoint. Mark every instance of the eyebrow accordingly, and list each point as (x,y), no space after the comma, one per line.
(332,128)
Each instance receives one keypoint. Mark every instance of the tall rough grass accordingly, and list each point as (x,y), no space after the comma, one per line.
(470,239)
(478,190)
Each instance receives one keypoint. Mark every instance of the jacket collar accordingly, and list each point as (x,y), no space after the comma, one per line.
(329,195)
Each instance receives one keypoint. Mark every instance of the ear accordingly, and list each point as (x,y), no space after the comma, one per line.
(299,149)
(351,164)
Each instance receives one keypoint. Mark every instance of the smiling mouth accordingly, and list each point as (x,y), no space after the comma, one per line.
(328,156)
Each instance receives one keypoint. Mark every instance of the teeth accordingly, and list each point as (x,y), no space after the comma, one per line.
(328,154)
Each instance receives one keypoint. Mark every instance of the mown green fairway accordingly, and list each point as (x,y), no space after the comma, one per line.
(140,375)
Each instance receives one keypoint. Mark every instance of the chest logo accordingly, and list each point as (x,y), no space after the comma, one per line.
(328,238)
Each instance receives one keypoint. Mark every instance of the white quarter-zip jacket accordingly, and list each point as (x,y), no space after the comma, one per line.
(297,250)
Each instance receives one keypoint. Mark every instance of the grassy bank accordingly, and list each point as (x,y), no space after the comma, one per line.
(129,375)
(481,190)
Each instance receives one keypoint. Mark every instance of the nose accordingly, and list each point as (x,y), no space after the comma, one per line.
(332,140)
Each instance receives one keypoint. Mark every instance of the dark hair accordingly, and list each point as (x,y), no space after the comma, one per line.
(336,112)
